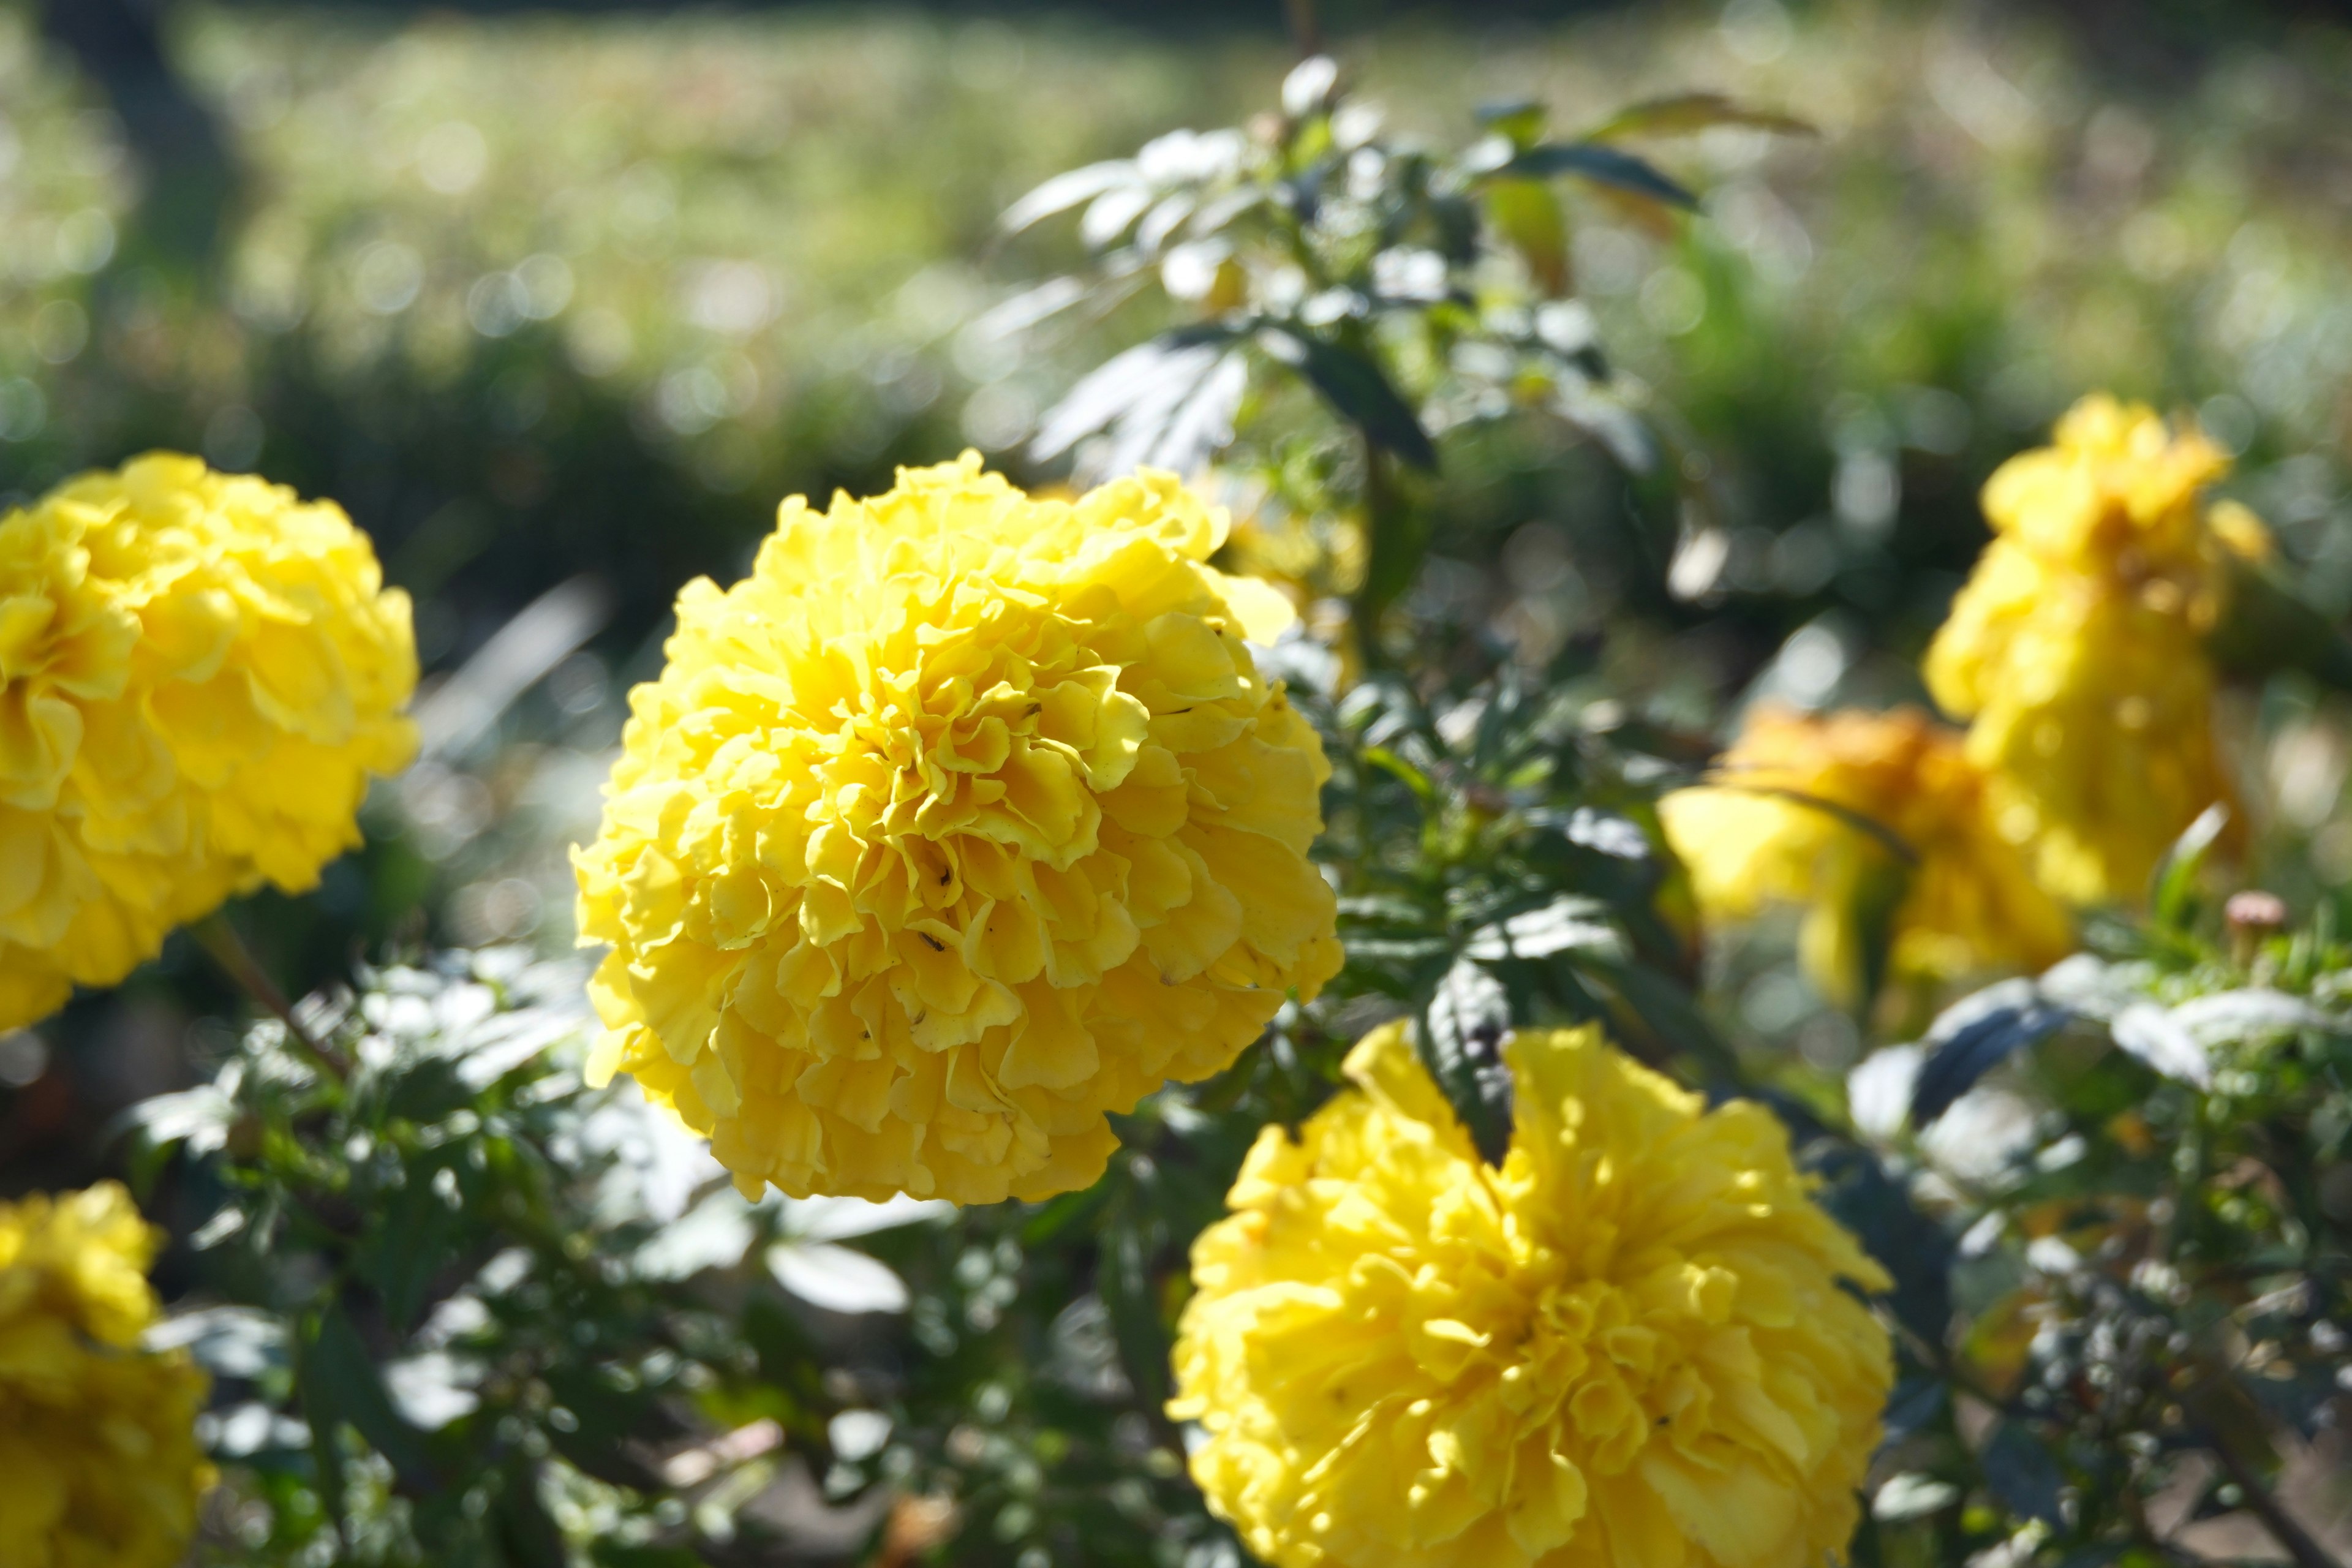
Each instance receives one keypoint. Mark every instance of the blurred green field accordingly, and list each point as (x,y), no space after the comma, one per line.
(532,294)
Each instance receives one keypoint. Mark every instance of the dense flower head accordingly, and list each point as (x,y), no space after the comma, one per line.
(99,1462)
(1632,1343)
(964,820)
(198,672)
(2076,650)
(1832,811)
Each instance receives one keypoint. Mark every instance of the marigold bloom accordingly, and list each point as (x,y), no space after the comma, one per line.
(1629,1344)
(99,1463)
(962,821)
(198,672)
(1797,817)
(2076,650)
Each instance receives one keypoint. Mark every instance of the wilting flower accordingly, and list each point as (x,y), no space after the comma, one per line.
(2077,649)
(1857,817)
(198,672)
(1631,1344)
(99,1462)
(964,820)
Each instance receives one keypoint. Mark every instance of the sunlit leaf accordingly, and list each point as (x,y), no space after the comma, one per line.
(1975,1035)
(1358,390)
(1683,113)
(1461,1041)
(1065,191)
(1602,165)
(2019,1468)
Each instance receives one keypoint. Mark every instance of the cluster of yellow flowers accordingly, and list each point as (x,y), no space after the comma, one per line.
(964,820)
(99,1463)
(1631,1344)
(1831,811)
(2077,652)
(198,672)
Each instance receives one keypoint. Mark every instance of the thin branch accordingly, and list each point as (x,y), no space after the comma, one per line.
(2285,1528)
(220,939)
(1306,31)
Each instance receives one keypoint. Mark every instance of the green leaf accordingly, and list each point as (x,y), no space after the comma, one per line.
(1975,1035)
(2022,1473)
(1125,1286)
(1603,166)
(532,1538)
(1460,1039)
(1358,390)
(340,1383)
(1525,214)
(608,1555)
(1878,897)
(2266,627)
(2172,890)
(1660,1006)
(1520,122)
(1686,112)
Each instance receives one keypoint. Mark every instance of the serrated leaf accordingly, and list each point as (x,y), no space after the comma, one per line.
(1686,112)
(1603,165)
(2022,1472)
(340,1383)
(837,1278)
(1169,403)
(227,1341)
(1570,922)
(1915,1402)
(1914,1252)
(198,1118)
(1460,1040)
(1064,190)
(1975,1035)
(1358,390)
(2153,1035)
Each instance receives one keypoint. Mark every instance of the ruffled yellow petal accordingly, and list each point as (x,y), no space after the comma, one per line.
(1792,821)
(1632,1343)
(198,672)
(964,820)
(2076,650)
(99,1462)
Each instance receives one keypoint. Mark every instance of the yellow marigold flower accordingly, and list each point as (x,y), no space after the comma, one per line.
(1772,831)
(99,1463)
(198,672)
(2076,650)
(1631,1344)
(964,820)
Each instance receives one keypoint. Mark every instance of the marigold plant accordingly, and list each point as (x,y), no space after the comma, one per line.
(964,820)
(1633,1342)
(1837,812)
(198,673)
(99,1462)
(2077,648)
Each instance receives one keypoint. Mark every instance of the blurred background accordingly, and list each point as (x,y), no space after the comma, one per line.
(558,302)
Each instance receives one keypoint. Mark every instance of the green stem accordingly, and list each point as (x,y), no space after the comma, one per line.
(1306,31)
(1388,554)
(2285,1528)
(220,939)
